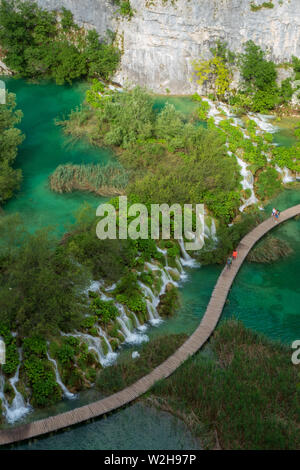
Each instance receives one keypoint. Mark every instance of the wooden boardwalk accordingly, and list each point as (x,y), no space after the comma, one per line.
(192,345)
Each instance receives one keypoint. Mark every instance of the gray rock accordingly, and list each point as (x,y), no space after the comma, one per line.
(162,39)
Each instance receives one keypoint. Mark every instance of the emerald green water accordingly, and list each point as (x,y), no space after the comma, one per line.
(44,149)
(184,104)
(265,297)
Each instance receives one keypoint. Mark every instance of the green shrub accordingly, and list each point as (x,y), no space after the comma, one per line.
(105,310)
(169,303)
(268,184)
(39,373)
(38,45)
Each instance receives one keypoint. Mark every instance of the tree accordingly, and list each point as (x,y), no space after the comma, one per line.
(38,43)
(259,77)
(41,288)
(102,58)
(10,139)
(216,70)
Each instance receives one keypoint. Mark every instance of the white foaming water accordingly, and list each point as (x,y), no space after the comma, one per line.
(186,259)
(213,111)
(112,287)
(94,287)
(152,302)
(287,178)
(18,408)
(111,356)
(164,252)
(65,391)
(138,324)
(211,232)
(94,344)
(131,337)
(247,183)
(286,174)
(262,122)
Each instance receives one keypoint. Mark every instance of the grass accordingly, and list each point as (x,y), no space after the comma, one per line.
(243,395)
(119,376)
(269,250)
(108,180)
(81,123)
(240,392)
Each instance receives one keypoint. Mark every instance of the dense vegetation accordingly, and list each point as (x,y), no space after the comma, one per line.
(43,287)
(10,138)
(40,44)
(241,392)
(258,90)
(152,354)
(40,286)
(170,160)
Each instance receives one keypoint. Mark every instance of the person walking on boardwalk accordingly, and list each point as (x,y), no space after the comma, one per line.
(275,214)
(234,255)
(229,262)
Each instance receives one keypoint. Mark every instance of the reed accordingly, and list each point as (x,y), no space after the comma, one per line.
(104,180)
(269,250)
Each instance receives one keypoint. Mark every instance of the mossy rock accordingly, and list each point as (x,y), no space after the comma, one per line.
(91,374)
(175,275)
(104,346)
(9,392)
(114,344)
(169,302)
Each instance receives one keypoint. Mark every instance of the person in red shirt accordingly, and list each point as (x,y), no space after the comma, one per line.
(234,254)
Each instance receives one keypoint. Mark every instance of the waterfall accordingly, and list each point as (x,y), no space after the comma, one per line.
(152,301)
(94,344)
(262,122)
(65,391)
(286,174)
(287,178)
(130,337)
(111,355)
(187,260)
(213,230)
(18,408)
(94,287)
(247,183)
(112,287)
(138,324)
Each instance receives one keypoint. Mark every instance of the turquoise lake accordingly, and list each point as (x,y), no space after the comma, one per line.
(265,297)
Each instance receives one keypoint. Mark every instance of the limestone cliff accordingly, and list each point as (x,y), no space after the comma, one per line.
(163,38)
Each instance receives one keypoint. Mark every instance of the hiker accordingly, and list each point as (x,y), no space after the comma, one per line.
(229,262)
(276,216)
(234,255)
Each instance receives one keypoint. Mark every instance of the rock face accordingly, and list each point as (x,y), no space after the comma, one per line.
(163,38)
(98,14)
